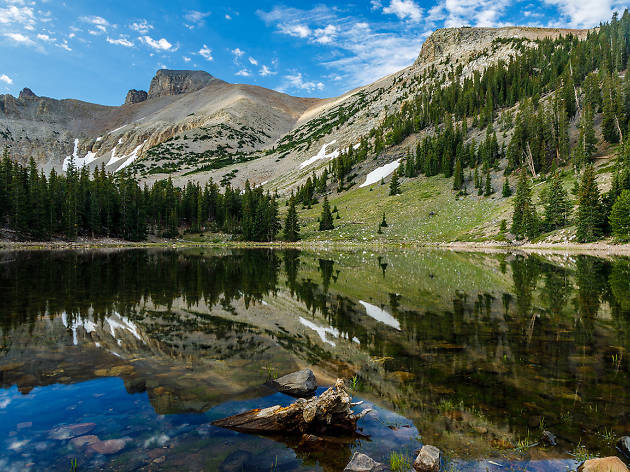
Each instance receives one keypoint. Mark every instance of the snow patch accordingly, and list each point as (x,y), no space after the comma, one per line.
(377,174)
(131,157)
(79,162)
(117,129)
(321,155)
(321,330)
(380,315)
(99,139)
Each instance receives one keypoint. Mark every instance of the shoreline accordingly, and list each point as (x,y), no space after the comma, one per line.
(596,248)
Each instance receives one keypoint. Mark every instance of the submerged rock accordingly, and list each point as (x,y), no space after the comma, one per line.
(624,446)
(300,383)
(109,446)
(548,439)
(362,463)
(71,431)
(84,440)
(235,462)
(604,464)
(429,459)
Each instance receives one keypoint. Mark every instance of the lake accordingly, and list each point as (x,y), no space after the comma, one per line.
(120,359)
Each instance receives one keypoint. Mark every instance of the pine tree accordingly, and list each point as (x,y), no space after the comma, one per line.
(556,204)
(588,218)
(609,119)
(394,184)
(524,218)
(587,134)
(620,216)
(458,181)
(488,188)
(384,222)
(507,190)
(326,219)
(291,222)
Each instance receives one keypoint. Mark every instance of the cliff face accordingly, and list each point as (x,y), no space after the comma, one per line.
(461,42)
(175,82)
(135,96)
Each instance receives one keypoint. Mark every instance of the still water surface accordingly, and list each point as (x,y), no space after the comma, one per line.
(121,359)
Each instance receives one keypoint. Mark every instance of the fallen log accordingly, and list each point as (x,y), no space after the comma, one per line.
(330,413)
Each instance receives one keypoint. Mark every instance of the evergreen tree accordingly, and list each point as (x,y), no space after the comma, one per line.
(588,218)
(384,222)
(524,218)
(620,216)
(394,184)
(458,181)
(507,190)
(556,203)
(488,188)
(609,119)
(326,219)
(291,223)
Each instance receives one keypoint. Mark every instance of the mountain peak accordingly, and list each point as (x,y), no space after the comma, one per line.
(175,82)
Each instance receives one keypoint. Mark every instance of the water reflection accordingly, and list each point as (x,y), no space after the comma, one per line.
(475,353)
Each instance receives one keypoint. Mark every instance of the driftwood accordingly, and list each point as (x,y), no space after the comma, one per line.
(330,413)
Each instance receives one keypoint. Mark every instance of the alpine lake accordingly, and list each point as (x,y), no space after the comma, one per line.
(120,359)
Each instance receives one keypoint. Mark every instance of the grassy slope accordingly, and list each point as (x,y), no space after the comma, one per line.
(408,214)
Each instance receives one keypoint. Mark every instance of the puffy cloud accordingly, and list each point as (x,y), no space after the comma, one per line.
(296,82)
(586,13)
(253,61)
(45,37)
(265,71)
(186,59)
(455,13)
(6,79)
(17,15)
(99,23)
(157,44)
(296,30)
(404,10)
(325,35)
(141,26)
(243,73)
(20,38)
(238,52)
(206,53)
(122,41)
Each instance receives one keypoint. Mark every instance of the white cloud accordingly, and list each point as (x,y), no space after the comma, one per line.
(100,24)
(186,59)
(45,37)
(195,18)
(253,61)
(357,52)
(325,35)
(122,41)
(404,9)
(13,14)
(227,16)
(157,44)
(297,31)
(206,53)
(238,52)
(456,13)
(265,71)
(244,73)
(6,79)
(141,26)
(20,38)
(586,13)
(297,82)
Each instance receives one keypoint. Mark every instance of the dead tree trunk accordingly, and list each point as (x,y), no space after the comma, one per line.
(330,413)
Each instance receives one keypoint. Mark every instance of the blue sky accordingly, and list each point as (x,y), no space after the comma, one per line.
(96,51)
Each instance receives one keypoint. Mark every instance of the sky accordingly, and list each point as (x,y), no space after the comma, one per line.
(97,50)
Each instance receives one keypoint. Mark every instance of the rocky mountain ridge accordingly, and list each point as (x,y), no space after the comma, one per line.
(192,125)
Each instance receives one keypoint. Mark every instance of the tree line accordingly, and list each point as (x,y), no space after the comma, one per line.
(102,204)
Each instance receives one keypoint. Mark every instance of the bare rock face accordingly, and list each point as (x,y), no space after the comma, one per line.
(624,446)
(603,464)
(27,93)
(135,96)
(175,82)
(362,463)
(428,460)
(299,384)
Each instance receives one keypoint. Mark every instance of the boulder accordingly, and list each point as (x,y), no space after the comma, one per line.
(135,96)
(548,439)
(300,384)
(604,464)
(109,446)
(624,446)
(362,463)
(429,459)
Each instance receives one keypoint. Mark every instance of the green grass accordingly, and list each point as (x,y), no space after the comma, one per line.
(399,462)
(427,211)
